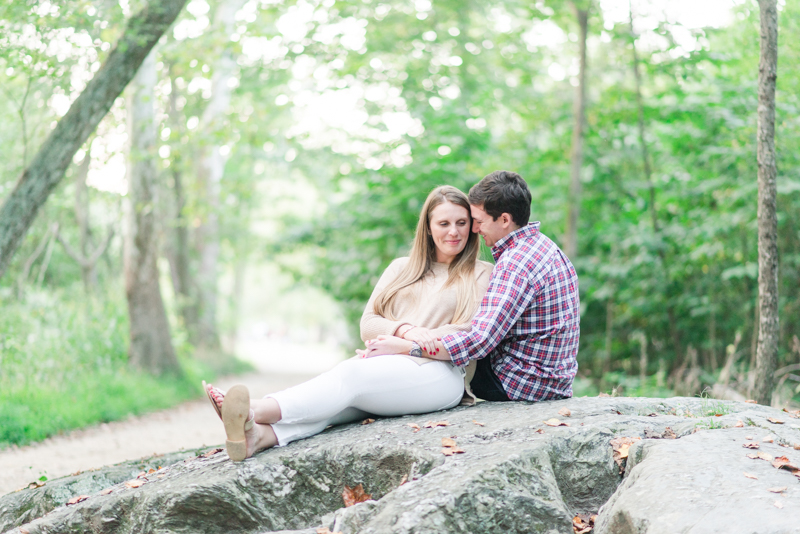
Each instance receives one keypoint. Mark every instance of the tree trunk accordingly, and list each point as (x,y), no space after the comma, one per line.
(212,167)
(767,194)
(579,118)
(151,345)
(54,156)
(178,251)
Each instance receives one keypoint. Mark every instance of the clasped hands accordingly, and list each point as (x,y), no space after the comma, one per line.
(384,344)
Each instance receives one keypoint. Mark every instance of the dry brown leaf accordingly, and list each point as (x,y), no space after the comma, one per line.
(367,421)
(404,480)
(583,523)
(621,447)
(136,483)
(76,473)
(434,424)
(106,491)
(477,423)
(775,420)
(793,413)
(207,454)
(748,437)
(450,451)
(354,495)
(35,484)
(782,462)
(415,426)
(748,475)
(564,412)
(540,430)
(777,504)
(23,530)
(764,456)
(604,395)
(326,530)
(739,424)
(751,401)
(778,490)
(769,439)
(751,445)
(448,442)
(76,500)
(797,447)
(555,422)
(669,434)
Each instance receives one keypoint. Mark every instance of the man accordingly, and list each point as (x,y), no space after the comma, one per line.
(526,331)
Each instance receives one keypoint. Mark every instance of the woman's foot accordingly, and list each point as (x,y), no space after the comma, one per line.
(216,396)
(244,436)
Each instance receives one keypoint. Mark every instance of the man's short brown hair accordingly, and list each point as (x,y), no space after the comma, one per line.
(503,192)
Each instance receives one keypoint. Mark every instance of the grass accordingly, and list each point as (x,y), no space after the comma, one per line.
(63,366)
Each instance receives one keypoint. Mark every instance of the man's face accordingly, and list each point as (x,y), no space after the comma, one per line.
(491,230)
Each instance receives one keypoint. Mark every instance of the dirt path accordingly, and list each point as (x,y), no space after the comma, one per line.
(190,425)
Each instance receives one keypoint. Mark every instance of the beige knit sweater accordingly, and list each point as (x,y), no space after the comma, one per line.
(424,303)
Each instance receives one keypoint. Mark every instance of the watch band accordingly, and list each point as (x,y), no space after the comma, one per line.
(415,350)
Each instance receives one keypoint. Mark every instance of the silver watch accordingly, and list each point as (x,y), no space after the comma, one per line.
(415,350)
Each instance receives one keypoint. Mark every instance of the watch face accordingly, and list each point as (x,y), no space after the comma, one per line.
(415,350)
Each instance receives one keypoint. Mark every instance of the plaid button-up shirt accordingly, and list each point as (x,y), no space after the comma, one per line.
(529,320)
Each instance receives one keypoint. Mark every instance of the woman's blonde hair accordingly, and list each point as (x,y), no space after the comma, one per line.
(461,273)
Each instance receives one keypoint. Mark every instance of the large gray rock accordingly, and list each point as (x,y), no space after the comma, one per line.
(516,475)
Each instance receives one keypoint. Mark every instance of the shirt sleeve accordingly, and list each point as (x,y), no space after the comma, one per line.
(373,325)
(508,295)
(481,284)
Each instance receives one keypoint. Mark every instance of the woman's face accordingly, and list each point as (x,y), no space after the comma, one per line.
(449,227)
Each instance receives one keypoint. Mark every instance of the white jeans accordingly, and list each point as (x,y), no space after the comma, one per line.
(382,385)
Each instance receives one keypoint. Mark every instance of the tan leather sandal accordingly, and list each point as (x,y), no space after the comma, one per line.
(238,418)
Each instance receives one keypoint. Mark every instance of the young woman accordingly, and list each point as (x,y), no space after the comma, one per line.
(434,291)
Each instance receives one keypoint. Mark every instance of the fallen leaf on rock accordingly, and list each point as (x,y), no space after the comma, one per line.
(135,483)
(326,530)
(769,439)
(751,445)
(604,395)
(793,413)
(764,456)
(782,462)
(448,442)
(777,504)
(778,490)
(35,484)
(621,447)
(367,421)
(23,530)
(751,401)
(415,426)
(76,473)
(652,414)
(540,430)
(669,434)
(555,422)
(739,424)
(748,475)
(450,451)
(207,454)
(477,423)
(76,500)
(434,424)
(106,491)
(775,420)
(583,523)
(797,447)
(564,412)
(748,437)
(404,480)
(354,495)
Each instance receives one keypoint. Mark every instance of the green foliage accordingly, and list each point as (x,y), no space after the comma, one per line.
(63,365)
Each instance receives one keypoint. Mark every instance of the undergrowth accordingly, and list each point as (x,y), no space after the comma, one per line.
(64,365)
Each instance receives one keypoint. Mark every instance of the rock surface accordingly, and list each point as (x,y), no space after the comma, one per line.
(516,474)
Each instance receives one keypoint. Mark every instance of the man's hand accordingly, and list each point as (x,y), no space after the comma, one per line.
(423,336)
(385,345)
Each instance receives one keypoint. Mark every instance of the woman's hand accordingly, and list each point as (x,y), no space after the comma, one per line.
(385,345)
(423,336)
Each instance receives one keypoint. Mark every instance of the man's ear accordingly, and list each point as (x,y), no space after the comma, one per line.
(506,220)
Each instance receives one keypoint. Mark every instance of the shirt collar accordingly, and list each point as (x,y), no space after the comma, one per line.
(529,230)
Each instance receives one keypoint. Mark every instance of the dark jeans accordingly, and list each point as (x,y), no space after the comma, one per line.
(485,384)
